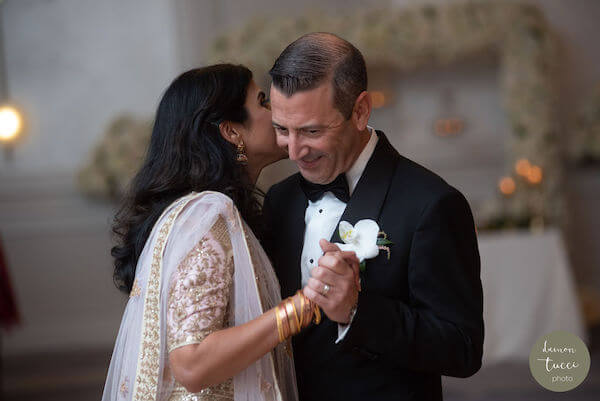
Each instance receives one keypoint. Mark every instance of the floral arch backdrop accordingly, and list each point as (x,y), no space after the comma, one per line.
(405,40)
(409,38)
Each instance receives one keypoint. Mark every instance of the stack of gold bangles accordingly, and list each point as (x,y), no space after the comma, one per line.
(289,321)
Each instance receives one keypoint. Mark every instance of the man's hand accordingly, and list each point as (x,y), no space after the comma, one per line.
(334,284)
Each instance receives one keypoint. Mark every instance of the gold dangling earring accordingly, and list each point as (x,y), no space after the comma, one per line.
(242,158)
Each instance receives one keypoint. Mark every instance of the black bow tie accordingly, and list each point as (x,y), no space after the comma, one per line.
(339,187)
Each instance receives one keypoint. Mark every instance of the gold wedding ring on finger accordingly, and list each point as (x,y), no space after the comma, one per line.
(326,289)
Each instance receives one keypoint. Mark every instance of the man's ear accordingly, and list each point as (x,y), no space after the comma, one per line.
(362,110)
(229,133)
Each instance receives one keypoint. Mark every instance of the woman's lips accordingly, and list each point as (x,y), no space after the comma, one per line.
(308,164)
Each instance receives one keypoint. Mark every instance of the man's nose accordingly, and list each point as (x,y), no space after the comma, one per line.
(295,149)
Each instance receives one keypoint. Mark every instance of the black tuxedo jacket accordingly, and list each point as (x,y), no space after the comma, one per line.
(420,313)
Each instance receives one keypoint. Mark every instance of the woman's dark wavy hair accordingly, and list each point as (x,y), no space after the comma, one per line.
(186,153)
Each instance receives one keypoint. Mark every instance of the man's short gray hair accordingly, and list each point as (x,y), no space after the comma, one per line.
(316,57)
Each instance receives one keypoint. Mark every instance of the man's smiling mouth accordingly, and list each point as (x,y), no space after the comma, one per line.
(306,163)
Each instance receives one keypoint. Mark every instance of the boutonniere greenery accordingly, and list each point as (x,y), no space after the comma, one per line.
(364,239)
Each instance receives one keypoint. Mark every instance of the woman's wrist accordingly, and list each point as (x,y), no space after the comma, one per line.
(294,314)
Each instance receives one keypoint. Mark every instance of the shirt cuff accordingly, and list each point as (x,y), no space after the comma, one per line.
(343,328)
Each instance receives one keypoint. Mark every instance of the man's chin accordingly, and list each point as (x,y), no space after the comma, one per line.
(315,179)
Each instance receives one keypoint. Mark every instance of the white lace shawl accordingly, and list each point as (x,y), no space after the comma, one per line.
(137,368)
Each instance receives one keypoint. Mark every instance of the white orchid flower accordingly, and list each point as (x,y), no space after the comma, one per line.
(360,238)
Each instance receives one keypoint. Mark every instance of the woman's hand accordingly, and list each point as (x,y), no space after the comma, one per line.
(335,283)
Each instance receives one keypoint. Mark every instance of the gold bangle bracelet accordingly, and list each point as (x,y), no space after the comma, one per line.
(289,311)
(317,311)
(302,305)
(311,310)
(279,328)
(306,308)
(284,324)
(298,324)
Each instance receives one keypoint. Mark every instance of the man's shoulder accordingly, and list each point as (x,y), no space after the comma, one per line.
(422,183)
(420,192)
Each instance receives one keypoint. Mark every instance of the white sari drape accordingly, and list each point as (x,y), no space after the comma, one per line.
(139,365)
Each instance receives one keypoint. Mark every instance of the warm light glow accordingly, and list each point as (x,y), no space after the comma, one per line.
(522,167)
(378,99)
(10,123)
(535,175)
(449,126)
(507,186)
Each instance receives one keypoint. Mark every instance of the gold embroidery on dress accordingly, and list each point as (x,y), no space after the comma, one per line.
(200,290)
(135,289)
(146,383)
(220,392)
(221,235)
(198,302)
(124,388)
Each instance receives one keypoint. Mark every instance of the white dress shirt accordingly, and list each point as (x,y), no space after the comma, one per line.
(322,217)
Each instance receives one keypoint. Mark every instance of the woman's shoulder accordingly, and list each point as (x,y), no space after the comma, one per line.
(194,217)
(206,203)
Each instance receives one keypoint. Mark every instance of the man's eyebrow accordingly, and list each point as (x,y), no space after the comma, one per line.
(303,128)
(312,127)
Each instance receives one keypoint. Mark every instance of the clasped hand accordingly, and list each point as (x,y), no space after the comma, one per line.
(334,284)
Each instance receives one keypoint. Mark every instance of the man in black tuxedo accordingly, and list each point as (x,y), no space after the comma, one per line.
(413,316)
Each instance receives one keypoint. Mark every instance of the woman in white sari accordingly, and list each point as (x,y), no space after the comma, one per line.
(202,321)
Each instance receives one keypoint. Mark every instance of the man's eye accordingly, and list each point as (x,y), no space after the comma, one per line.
(313,131)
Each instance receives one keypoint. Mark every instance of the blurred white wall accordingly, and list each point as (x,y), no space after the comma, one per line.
(73,65)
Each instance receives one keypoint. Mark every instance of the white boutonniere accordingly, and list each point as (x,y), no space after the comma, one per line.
(364,239)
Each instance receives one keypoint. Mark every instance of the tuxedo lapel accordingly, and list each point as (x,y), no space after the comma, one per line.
(371,190)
